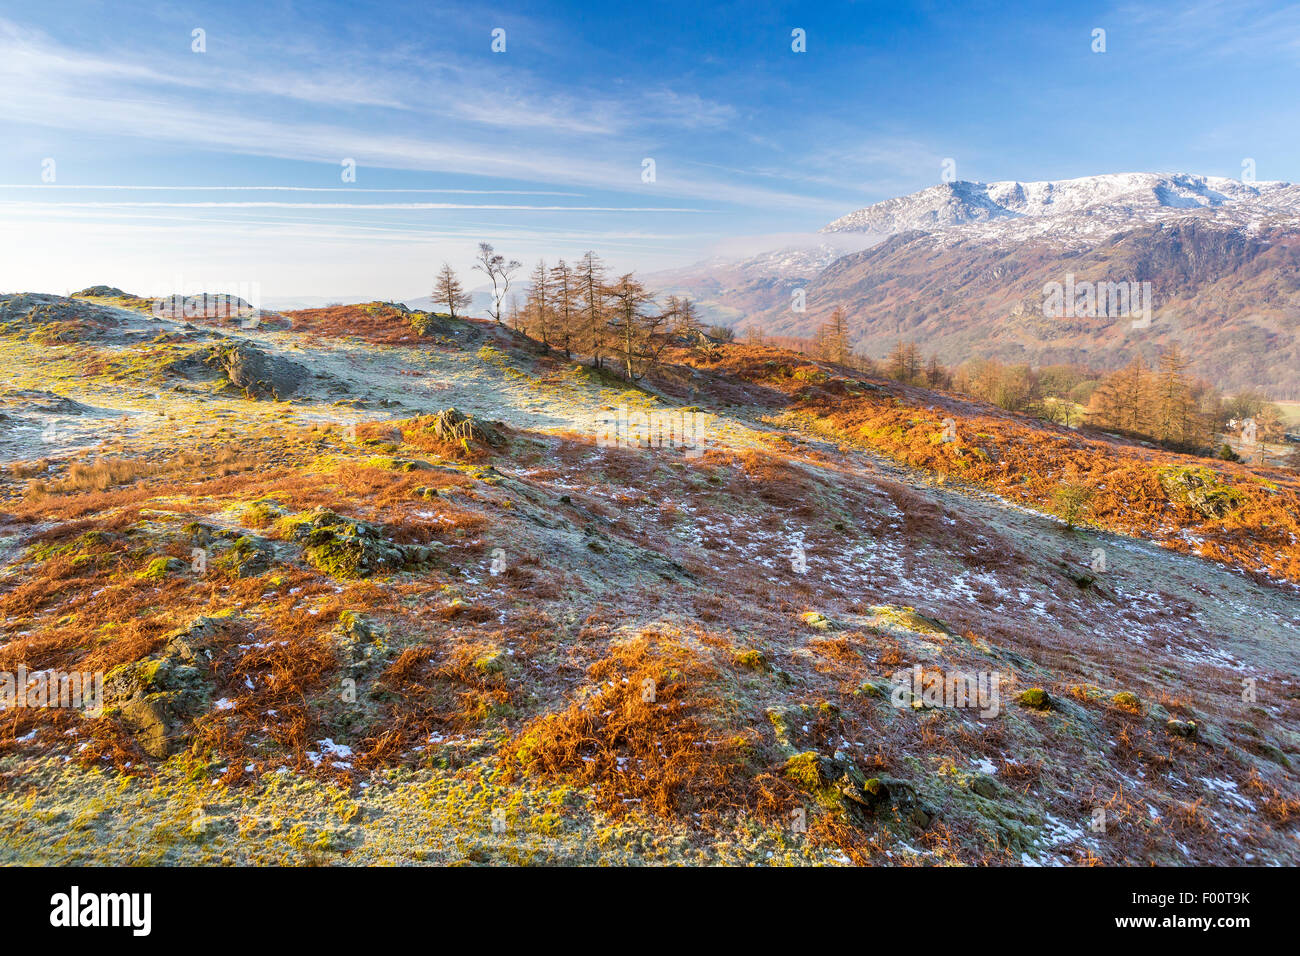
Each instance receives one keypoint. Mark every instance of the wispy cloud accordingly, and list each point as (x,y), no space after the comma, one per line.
(1214,28)
(388,206)
(99,95)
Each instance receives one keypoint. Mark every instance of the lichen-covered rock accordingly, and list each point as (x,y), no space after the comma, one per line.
(1035,698)
(818,620)
(986,786)
(196,642)
(147,720)
(1200,490)
(256,373)
(348,547)
(156,698)
(261,375)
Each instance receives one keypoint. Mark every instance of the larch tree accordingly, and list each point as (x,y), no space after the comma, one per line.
(448,291)
(593,322)
(637,331)
(538,308)
(1174,411)
(686,320)
(564,306)
(835,337)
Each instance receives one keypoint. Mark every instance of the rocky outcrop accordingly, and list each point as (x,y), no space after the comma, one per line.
(258,374)
(156,698)
(347,547)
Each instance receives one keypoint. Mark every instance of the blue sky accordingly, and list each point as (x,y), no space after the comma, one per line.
(540,149)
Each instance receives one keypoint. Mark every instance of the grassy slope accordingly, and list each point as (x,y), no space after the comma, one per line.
(521,694)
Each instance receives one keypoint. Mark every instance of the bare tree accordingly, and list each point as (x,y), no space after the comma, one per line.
(448,291)
(499,271)
(564,303)
(905,362)
(638,332)
(538,309)
(594,322)
(515,313)
(683,319)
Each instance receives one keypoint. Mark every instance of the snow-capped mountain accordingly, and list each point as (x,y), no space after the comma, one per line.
(792,262)
(1068,209)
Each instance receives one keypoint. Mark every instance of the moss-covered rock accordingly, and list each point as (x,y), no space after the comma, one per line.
(815,774)
(157,698)
(873,688)
(909,619)
(782,721)
(1035,698)
(492,662)
(1201,490)
(818,620)
(159,568)
(347,547)
(246,557)
(1127,701)
(389,463)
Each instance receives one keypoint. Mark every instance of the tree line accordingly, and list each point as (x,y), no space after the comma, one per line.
(1163,404)
(615,322)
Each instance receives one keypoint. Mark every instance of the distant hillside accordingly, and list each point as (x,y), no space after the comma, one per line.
(728,290)
(1227,294)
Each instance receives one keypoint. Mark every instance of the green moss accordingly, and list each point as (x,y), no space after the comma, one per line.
(908,619)
(751,659)
(262,513)
(872,689)
(1035,698)
(803,770)
(818,620)
(1200,489)
(388,463)
(91,539)
(1125,700)
(158,568)
(493,662)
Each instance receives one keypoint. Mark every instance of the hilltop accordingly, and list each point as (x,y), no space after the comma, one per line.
(370,584)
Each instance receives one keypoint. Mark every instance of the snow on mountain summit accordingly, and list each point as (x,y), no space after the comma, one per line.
(1072,205)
